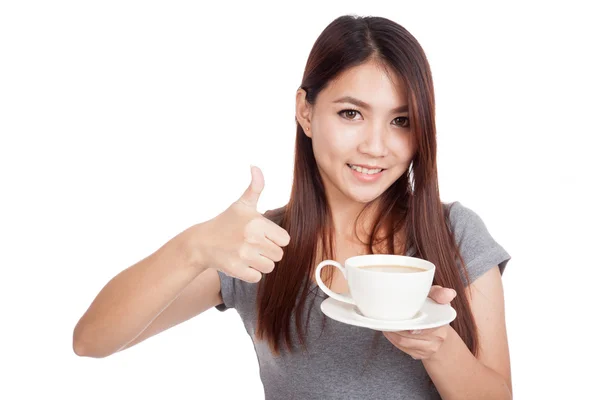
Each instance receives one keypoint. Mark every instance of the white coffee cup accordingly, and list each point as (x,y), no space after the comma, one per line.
(383,293)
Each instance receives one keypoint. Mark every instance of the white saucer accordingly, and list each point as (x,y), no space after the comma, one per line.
(432,315)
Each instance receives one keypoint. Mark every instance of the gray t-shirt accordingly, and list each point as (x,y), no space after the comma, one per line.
(344,361)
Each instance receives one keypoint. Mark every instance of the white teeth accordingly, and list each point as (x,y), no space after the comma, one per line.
(365,170)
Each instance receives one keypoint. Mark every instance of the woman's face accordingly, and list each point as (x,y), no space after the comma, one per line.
(360,132)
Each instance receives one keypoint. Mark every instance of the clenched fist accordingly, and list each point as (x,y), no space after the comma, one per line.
(240,241)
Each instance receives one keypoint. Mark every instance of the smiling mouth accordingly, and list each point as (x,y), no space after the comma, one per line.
(363,170)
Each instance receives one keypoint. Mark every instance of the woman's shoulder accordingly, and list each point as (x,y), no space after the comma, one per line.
(464,222)
(456,206)
(476,244)
(457,213)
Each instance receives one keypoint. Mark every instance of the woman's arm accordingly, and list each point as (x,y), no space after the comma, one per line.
(202,294)
(456,373)
(132,300)
(177,281)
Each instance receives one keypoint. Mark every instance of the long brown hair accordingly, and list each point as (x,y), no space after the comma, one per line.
(410,208)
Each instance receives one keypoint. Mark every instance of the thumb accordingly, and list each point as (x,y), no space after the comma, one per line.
(252,193)
(442,295)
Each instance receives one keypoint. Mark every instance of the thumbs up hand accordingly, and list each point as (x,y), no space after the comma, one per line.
(240,241)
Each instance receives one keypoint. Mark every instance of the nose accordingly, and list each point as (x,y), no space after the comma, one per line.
(373,143)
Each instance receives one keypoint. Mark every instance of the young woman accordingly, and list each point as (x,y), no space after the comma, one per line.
(365,181)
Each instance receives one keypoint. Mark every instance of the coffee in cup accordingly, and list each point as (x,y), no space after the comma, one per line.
(393,268)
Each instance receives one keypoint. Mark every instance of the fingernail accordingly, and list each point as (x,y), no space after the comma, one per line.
(415,332)
(454,291)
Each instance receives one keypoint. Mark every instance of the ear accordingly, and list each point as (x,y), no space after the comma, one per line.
(303,112)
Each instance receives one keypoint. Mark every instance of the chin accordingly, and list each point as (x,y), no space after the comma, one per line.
(364,198)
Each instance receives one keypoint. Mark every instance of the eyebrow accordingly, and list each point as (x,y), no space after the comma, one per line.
(360,103)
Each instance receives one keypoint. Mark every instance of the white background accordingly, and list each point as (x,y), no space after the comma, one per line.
(125,122)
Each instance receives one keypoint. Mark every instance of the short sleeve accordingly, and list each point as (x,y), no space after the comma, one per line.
(478,248)
(227,292)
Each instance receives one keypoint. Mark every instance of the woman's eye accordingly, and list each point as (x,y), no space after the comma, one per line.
(402,121)
(348,114)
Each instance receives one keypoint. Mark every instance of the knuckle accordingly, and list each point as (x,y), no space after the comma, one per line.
(247,229)
(250,229)
(240,253)
(243,253)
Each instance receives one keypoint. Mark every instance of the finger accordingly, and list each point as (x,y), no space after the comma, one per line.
(252,193)
(271,250)
(407,343)
(276,234)
(249,275)
(262,264)
(420,334)
(442,295)
(413,349)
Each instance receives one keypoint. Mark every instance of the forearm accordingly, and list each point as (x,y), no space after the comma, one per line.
(458,375)
(134,298)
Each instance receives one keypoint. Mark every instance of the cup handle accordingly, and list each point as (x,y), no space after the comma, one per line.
(329,292)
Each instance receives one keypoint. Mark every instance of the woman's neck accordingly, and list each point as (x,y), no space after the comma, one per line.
(353,227)
(352,219)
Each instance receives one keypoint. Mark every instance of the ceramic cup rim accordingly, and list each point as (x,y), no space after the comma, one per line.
(356,262)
